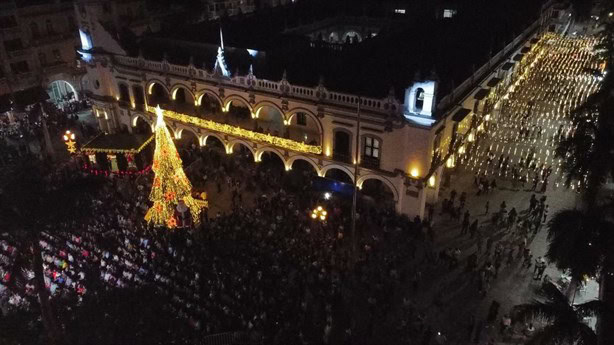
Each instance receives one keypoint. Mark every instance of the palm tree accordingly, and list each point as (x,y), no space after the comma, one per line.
(35,197)
(564,321)
(578,242)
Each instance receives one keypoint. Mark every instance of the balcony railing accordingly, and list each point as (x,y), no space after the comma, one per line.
(369,162)
(342,157)
(317,93)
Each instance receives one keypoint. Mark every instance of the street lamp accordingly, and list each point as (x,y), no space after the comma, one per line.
(319,213)
(69,140)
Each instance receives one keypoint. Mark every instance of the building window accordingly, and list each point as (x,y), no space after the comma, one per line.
(12,45)
(50,29)
(399,11)
(301,119)
(449,13)
(20,67)
(7,22)
(372,148)
(42,58)
(34,28)
(419,99)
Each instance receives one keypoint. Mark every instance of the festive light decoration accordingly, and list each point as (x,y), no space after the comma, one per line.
(319,213)
(69,140)
(528,119)
(241,133)
(170,183)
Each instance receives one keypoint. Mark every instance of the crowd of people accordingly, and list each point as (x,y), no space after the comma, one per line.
(533,116)
(269,270)
(263,266)
(23,128)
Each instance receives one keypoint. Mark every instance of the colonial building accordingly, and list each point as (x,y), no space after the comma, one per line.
(38,48)
(399,97)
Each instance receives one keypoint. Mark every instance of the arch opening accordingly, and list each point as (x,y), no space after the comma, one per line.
(183,100)
(243,150)
(271,161)
(304,167)
(157,95)
(141,126)
(213,142)
(304,126)
(339,175)
(378,193)
(270,120)
(187,138)
(210,104)
(238,113)
(62,92)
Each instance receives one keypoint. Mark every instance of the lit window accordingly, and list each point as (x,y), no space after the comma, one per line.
(371,147)
(400,11)
(449,13)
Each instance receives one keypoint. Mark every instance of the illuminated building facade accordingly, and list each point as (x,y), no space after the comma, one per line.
(407,135)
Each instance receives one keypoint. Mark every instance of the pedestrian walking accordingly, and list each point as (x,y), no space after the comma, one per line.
(486,207)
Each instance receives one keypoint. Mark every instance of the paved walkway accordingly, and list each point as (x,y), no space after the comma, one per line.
(525,129)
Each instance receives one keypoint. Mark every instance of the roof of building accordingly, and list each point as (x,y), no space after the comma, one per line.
(118,143)
(415,43)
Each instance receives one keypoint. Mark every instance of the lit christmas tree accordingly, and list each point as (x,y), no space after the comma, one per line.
(170,187)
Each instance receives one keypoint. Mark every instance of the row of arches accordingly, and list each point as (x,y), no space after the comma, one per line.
(298,124)
(339,172)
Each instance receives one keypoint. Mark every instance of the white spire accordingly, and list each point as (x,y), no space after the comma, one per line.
(221,39)
(220,61)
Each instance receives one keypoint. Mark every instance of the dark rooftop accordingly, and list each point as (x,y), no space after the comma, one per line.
(417,42)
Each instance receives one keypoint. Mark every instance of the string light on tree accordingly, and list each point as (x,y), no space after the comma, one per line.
(171,187)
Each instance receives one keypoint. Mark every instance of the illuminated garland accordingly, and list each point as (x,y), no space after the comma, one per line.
(89,150)
(170,185)
(284,143)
